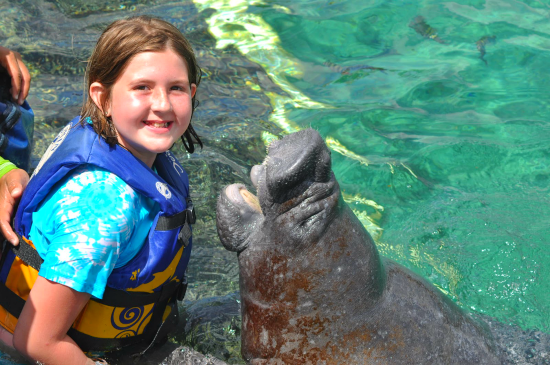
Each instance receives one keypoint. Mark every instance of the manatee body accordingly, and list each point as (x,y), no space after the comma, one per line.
(314,289)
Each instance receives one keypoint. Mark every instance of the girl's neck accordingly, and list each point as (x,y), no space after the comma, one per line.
(149,160)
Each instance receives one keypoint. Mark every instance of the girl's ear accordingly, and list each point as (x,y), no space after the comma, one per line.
(98,93)
(193,89)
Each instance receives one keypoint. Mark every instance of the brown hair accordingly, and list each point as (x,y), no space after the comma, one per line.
(119,42)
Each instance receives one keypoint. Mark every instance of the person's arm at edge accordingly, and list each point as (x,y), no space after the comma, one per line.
(12,183)
(20,76)
(6,166)
(41,332)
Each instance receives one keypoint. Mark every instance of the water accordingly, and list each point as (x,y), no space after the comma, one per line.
(436,112)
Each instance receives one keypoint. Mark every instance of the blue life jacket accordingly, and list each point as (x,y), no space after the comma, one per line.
(140,299)
(16,130)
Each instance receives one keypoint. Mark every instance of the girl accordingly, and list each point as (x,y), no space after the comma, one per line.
(107,208)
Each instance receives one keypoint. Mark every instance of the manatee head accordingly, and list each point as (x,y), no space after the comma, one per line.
(296,194)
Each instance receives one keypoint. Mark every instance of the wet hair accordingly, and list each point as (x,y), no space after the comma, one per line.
(117,45)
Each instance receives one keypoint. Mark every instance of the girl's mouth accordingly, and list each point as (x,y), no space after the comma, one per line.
(157,124)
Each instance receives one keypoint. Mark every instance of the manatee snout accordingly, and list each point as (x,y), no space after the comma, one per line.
(293,164)
(238,212)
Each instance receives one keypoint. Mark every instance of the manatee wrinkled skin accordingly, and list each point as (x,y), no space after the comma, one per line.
(314,289)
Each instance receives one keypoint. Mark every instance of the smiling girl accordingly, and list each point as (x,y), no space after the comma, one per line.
(105,218)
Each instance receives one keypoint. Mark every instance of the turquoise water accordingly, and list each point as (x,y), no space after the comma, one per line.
(436,112)
(439,113)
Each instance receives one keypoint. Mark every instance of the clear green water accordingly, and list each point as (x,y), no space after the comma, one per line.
(472,213)
(440,113)
(451,146)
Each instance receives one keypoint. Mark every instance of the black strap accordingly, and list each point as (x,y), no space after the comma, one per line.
(8,299)
(9,117)
(155,325)
(185,235)
(90,343)
(182,219)
(4,250)
(172,222)
(122,298)
(188,216)
(11,302)
(27,253)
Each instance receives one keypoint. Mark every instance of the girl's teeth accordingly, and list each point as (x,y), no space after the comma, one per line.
(159,125)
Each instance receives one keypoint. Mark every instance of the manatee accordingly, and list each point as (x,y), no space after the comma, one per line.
(482,43)
(351,69)
(314,289)
(424,29)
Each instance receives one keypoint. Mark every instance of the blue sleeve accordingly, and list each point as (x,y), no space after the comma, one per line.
(82,227)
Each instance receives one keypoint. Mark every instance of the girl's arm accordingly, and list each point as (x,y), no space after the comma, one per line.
(41,333)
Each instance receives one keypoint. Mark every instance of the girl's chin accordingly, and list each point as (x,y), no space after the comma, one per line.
(151,151)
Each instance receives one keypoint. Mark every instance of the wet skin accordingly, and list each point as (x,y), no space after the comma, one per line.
(315,290)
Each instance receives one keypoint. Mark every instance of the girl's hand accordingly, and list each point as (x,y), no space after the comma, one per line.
(41,333)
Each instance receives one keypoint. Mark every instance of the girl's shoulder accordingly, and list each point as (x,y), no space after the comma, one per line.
(101,191)
(91,179)
(86,175)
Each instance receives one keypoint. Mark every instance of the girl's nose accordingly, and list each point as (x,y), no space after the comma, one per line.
(161,101)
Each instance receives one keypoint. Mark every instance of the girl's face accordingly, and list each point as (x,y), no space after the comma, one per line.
(150,103)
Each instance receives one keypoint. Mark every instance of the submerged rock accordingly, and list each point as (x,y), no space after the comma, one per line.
(187,356)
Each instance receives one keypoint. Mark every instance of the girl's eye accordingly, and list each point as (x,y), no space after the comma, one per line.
(178,88)
(141,87)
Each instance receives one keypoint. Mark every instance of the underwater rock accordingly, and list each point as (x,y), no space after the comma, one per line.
(187,356)
(314,289)
(517,346)
(81,8)
(167,354)
(213,326)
